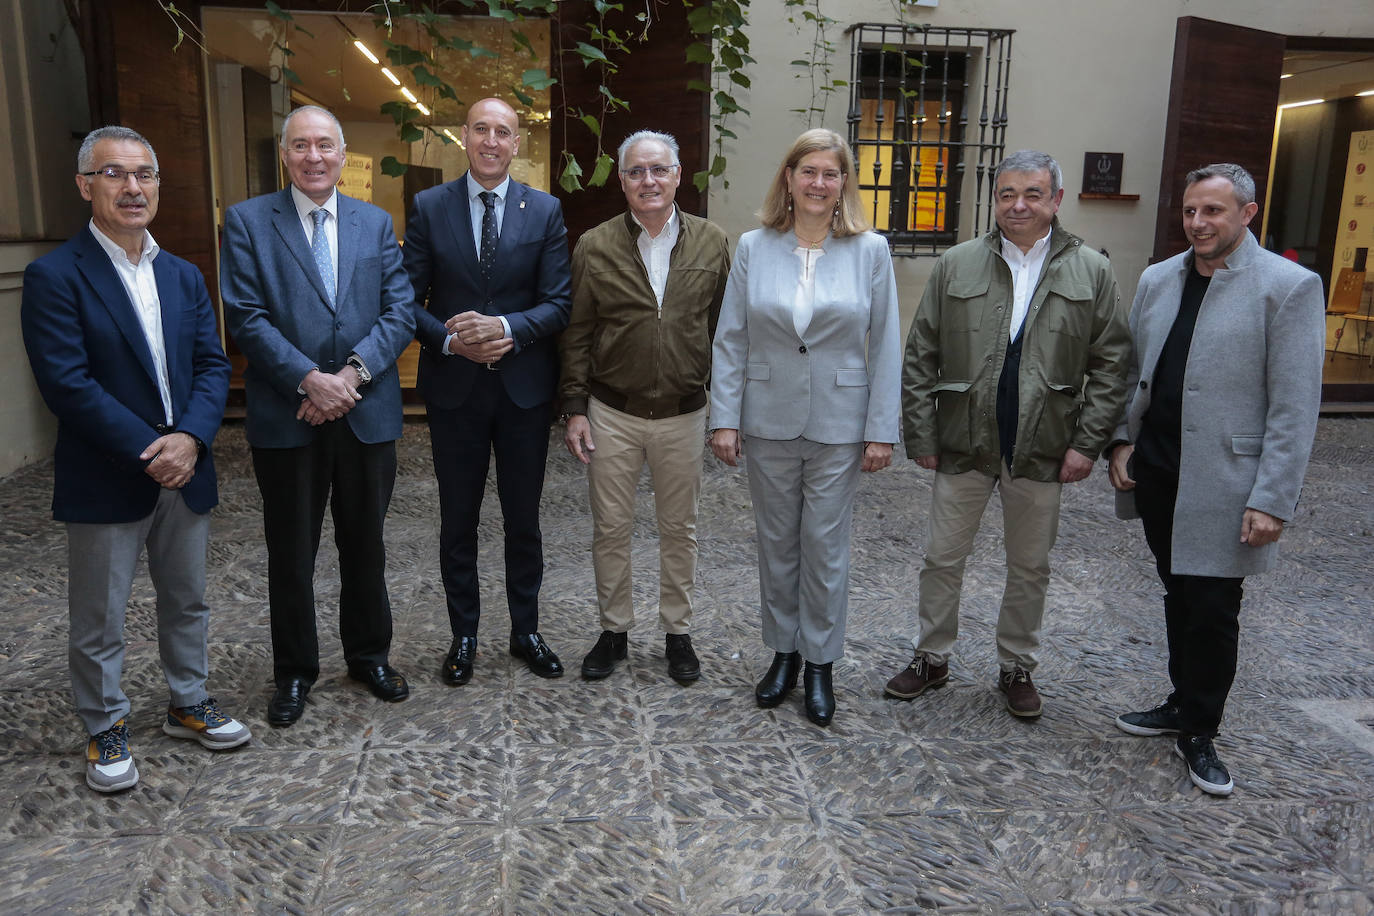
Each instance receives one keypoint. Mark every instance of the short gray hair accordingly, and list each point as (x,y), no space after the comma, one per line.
(1241,180)
(286,123)
(1029,160)
(639,136)
(85,156)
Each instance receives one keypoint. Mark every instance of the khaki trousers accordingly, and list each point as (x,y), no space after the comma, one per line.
(1030,512)
(672,447)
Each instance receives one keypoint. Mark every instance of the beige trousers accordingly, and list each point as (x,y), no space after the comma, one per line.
(672,447)
(1030,511)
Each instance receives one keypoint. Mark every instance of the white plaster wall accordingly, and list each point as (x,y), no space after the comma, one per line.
(1085,75)
(43,115)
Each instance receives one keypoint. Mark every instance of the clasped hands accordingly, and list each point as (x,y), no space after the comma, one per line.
(726,445)
(171,460)
(328,397)
(480,338)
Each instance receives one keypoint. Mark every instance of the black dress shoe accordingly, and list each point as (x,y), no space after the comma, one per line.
(458,662)
(288,701)
(536,653)
(682,661)
(385,682)
(780,679)
(610,648)
(820,695)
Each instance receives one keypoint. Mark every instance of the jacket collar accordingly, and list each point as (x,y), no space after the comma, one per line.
(1060,238)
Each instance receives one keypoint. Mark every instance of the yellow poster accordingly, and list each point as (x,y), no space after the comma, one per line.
(356,180)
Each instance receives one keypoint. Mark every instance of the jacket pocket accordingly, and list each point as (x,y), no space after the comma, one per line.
(1247,445)
(953,417)
(851,378)
(756,371)
(963,310)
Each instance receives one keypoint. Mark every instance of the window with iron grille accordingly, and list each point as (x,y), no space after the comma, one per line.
(927,122)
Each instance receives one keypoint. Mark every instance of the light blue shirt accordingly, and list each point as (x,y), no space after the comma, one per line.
(477,210)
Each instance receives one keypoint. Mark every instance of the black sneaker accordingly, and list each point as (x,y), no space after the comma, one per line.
(1162,720)
(682,661)
(1205,768)
(610,647)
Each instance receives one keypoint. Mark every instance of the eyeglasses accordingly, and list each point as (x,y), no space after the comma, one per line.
(658,171)
(142,176)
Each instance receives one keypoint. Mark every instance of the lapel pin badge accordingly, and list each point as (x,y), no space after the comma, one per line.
(522,205)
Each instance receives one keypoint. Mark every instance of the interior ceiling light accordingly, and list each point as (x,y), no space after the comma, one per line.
(391,76)
(1365,93)
(366,53)
(423,110)
(448,133)
(410,96)
(1302,103)
(1285,76)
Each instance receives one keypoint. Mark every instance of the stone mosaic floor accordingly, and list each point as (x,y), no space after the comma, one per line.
(635,795)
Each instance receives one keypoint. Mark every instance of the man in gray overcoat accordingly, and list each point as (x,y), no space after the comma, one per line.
(1226,383)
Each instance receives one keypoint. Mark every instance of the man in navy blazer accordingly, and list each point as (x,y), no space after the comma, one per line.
(123,344)
(316,299)
(488,260)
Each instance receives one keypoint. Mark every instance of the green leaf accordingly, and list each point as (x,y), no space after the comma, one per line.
(423,77)
(524,97)
(698,86)
(495,10)
(403,55)
(699,53)
(801,63)
(477,51)
(571,170)
(602,7)
(392,166)
(290,76)
(537,79)
(701,19)
(521,41)
(304,31)
(702,180)
(443,137)
(285,50)
(589,53)
(614,100)
(604,164)
(410,133)
(739,79)
(727,132)
(446,92)
(277,12)
(593,124)
(730,57)
(718,166)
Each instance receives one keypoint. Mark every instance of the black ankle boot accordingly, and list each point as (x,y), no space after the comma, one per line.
(820,695)
(779,681)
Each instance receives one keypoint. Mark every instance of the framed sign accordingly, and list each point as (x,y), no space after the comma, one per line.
(1102,172)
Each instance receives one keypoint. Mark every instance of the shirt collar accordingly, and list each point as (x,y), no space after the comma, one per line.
(117,252)
(668,225)
(1010,249)
(305,206)
(474,189)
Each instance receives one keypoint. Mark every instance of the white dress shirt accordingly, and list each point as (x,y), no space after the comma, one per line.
(804,300)
(1025,273)
(656,252)
(141,285)
(304,207)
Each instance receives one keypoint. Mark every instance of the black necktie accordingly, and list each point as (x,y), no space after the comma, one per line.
(487,256)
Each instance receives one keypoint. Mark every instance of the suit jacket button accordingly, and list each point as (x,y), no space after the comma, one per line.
(1144,384)
(801,349)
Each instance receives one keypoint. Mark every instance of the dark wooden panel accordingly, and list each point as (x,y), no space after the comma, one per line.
(1222,102)
(653,79)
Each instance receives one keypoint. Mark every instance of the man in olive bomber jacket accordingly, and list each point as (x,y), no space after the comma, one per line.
(636,356)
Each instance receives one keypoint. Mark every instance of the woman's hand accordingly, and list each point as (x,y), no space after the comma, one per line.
(725,445)
(877,455)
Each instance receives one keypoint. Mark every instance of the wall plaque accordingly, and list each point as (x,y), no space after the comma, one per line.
(1102,172)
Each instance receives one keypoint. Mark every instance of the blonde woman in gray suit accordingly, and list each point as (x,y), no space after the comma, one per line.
(806,366)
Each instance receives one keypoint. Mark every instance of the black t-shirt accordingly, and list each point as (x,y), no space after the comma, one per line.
(1161,431)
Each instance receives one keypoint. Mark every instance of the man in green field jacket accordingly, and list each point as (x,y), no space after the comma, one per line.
(1014,378)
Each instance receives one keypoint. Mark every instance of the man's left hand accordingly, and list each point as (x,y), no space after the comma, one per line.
(1259,528)
(171,460)
(1075,467)
(877,455)
(476,328)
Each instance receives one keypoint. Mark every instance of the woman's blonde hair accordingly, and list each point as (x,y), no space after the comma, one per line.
(776,212)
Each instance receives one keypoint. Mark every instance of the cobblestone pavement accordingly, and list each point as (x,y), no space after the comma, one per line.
(519,795)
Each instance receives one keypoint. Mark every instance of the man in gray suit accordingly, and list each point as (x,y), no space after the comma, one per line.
(1213,450)
(317,300)
(1015,377)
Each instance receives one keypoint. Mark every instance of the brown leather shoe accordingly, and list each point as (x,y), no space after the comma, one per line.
(916,678)
(1022,698)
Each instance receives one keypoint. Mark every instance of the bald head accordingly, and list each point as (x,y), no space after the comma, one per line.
(491,137)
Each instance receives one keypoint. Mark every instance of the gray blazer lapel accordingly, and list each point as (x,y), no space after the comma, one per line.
(288,225)
(348,245)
